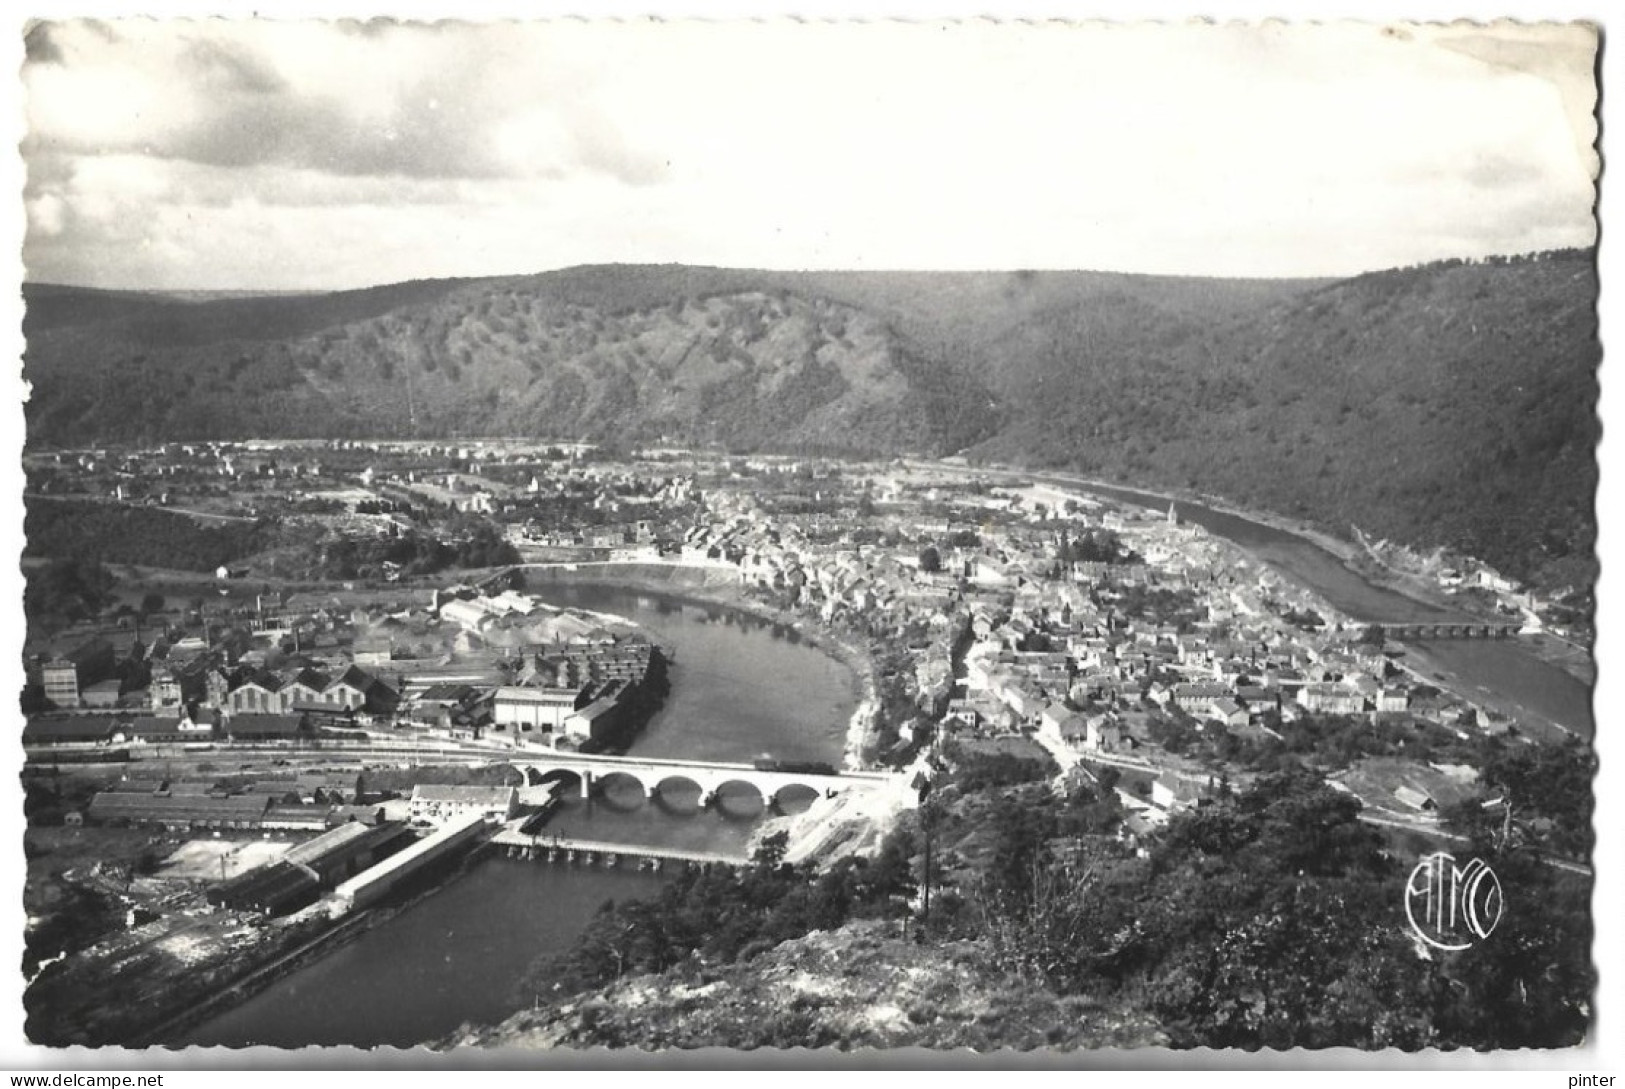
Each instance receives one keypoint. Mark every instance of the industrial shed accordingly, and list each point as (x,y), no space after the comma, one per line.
(244,811)
(275,889)
(299,876)
(265,727)
(348,849)
(77,730)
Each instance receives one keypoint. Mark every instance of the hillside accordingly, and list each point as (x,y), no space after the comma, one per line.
(1450,404)
(858,986)
(1447,405)
(747,369)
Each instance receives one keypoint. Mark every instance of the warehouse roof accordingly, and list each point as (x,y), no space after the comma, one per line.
(109,806)
(78,728)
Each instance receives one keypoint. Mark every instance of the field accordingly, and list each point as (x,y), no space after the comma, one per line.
(220,859)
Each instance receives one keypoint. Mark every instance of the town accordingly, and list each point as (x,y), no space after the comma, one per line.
(271,681)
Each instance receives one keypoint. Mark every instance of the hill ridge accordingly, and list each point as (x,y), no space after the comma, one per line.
(1445,404)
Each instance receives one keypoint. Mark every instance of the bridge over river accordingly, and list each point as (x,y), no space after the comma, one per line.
(1446,629)
(650,773)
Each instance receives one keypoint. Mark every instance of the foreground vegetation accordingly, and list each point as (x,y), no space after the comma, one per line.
(1269,917)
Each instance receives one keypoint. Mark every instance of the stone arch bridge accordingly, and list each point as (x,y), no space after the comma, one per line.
(1449,629)
(651,773)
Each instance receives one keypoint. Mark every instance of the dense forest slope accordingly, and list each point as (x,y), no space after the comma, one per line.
(744,368)
(1451,404)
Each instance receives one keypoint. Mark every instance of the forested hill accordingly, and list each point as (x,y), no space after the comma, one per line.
(1451,404)
(1448,404)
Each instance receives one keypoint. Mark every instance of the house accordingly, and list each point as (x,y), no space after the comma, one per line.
(1053,718)
(103,695)
(1393,700)
(216,690)
(1103,734)
(1331,698)
(373,650)
(164,691)
(438,703)
(1229,712)
(1072,730)
(1169,791)
(1197,697)
(435,804)
(1023,698)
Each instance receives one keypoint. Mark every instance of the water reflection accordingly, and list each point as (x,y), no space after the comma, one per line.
(741,688)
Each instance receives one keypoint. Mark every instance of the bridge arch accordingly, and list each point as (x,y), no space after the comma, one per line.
(602,779)
(763,792)
(772,786)
(788,793)
(538,775)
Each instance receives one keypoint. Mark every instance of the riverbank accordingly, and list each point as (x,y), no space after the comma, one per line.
(169,1033)
(1348,552)
(852,824)
(332,935)
(720,586)
(1541,675)
(1431,664)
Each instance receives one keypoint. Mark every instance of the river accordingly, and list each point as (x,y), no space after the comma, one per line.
(741,687)
(1505,667)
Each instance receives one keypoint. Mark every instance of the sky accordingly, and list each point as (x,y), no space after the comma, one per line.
(304,154)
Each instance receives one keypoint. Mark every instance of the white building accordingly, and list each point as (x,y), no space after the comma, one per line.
(437,804)
(525,709)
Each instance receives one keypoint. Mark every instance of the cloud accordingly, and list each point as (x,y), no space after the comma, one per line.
(348,99)
(47,215)
(39,47)
(213,153)
(230,68)
(1495,169)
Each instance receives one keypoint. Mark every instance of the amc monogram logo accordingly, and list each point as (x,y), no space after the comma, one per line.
(1451,907)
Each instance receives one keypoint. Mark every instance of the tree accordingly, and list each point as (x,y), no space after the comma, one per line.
(153,602)
(930,560)
(71,587)
(769,853)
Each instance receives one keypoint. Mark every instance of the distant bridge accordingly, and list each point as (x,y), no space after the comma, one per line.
(651,774)
(1450,629)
